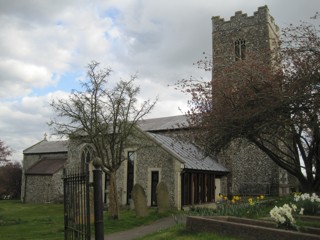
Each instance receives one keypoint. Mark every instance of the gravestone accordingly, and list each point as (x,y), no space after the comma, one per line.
(162,197)
(140,201)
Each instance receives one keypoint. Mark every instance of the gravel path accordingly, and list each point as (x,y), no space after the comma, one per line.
(131,234)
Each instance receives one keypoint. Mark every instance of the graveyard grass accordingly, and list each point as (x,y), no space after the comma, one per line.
(45,221)
(30,221)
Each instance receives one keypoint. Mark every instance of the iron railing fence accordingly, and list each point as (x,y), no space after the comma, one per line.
(76,204)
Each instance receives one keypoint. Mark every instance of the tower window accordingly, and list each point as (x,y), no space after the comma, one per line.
(240,49)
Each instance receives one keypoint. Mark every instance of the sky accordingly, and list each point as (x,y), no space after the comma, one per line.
(45,47)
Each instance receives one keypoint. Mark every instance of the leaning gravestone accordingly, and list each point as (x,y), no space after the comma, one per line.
(162,197)
(140,200)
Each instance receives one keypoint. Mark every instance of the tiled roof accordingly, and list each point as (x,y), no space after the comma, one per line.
(165,123)
(46,166)
(189,154)
(48,147)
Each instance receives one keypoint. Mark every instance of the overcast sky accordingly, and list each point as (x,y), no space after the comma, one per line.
(45,47)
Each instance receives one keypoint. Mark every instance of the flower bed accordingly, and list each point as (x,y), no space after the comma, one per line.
(245,228)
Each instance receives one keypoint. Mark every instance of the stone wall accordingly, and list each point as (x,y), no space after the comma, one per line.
(156,158)
(250,170)
(249,229)
(149,157)
(57,187)
(74,154)
(259,32)
(28,161)
(44,188)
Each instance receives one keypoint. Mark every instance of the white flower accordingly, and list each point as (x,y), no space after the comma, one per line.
(301,211)
(294,207)
(283,215)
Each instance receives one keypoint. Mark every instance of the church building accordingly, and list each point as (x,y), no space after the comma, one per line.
(192,176)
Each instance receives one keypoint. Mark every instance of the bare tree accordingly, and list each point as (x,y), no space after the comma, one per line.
(103,117)
(10,180)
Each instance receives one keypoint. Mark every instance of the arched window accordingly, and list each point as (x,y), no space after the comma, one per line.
(240,49)
(86,157)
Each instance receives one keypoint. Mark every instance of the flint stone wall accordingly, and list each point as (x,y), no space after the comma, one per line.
(32,185)
(44,189)
(157,158)
(149,157)
(251,170)
(259,32)
(74,154)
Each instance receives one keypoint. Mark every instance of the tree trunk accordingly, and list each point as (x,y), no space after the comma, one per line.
(307,187)
(113,198)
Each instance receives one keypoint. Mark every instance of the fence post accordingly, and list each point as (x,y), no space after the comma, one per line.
(65,207)
(98,205)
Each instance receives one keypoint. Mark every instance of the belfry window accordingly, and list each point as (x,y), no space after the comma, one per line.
(240,49)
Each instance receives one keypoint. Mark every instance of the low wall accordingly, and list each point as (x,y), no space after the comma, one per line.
(244,228)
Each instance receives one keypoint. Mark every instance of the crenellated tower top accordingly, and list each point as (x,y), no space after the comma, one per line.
(243,20)
(232,40)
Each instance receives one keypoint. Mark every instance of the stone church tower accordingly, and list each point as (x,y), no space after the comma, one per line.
(232,40)
(252,172)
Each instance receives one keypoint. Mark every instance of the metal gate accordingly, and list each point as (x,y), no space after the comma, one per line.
(76,204)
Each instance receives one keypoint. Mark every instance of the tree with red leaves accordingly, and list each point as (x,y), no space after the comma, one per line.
(274,106)
(5,152)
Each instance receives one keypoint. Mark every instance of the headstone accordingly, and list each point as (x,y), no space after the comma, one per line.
(163,197)
(140,201)
(131,204)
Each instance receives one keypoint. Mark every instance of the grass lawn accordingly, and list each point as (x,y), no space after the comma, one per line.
(45,221)
(30,221)
(20,221)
